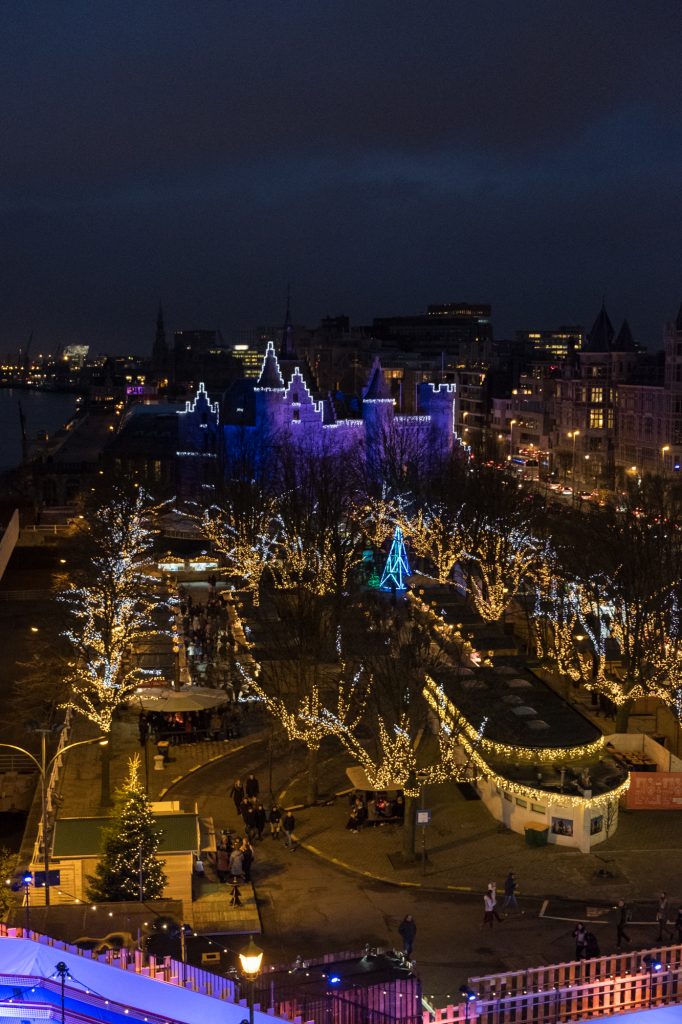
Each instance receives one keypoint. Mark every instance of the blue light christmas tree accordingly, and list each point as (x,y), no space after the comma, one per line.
(397,566)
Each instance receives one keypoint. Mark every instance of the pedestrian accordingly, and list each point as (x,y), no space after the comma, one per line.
(580,936)
(143,728)
(492,889)
(236,863)
(622,917)
(261,819)
(275,819)
(678,926)
(222,862)
(289,824)
(662,915)
(488,907)
(510,885)
(252,786)
(247,858)
(237,794)
(591,946)
(407,929)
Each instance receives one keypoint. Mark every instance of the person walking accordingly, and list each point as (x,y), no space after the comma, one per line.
(252,787)
(289,824)
(407,929)
(622,915)
(247,858)
(261,819)
(236,863)
(662,915)
(488,908)
(580,936)
(510,885)
(275,819)
(237,794)
(492,889)
(222,862)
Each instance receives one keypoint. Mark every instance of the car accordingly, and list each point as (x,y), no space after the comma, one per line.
(566,492)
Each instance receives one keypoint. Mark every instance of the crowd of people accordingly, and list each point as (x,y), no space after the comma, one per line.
(189,726)
(209,642)
(379,809)
(235,851)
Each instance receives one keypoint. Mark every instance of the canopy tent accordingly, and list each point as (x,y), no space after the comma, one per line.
(189,698)
(359,780)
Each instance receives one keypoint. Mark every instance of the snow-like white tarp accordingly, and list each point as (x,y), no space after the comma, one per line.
(33,961)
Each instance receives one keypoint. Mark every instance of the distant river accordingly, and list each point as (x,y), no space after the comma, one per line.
(44,410)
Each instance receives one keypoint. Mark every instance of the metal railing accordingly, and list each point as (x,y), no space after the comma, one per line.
(52,783)
(572,991)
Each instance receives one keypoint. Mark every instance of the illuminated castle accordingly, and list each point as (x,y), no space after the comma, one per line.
(279,408)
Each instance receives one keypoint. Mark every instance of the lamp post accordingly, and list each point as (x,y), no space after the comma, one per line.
(652,965)
(26,880)
(43,767)
(511,438)
(469,996)
(665,448)
(250,960)
(573,434)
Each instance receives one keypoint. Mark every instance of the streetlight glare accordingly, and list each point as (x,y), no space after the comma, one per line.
(251,959)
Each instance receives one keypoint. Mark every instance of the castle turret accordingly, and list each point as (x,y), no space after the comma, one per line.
(438,401)
(269,394)
(377,415)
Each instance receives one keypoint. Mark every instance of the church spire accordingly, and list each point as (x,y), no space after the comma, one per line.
(286,349)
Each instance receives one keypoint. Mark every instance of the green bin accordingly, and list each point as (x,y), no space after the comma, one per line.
(536,835)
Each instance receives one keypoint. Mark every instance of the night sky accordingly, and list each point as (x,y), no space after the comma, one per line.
(377,155)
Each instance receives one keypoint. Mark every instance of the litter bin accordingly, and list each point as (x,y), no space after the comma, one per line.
(163,747)
(536,834)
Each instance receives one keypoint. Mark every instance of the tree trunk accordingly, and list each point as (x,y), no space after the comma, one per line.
(313,774)
(409,828)
(105,769)
(622,716)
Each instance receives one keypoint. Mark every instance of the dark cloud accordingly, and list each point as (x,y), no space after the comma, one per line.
(380,155)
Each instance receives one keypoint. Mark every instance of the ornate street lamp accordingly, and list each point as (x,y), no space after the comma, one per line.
(250,960)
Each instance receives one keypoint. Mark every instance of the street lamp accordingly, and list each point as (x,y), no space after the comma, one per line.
(43,767)
(251,959)
(653,965)
(26,881)
(469,996)
(665,448)
(511,437)
(573,434)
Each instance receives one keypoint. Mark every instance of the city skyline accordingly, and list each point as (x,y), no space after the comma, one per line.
(379,159)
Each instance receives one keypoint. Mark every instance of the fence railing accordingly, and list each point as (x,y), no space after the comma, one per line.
(577,990)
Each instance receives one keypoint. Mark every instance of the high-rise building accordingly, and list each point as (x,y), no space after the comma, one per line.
(556,342)
(459,330)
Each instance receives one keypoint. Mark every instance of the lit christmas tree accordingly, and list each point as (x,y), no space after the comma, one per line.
(397,566)
(128,862)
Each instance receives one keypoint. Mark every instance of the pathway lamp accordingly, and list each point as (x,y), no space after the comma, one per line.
(469,996)
(653,966)
(44,767)
(251,959)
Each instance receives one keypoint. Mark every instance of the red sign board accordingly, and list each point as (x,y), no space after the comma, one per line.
(654,791)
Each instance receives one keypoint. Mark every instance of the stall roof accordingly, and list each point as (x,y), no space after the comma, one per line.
(82,837)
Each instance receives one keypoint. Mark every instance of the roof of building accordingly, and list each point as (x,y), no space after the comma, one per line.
(270,374)
(600,336)
(82,837)
(624,341)
(377,388)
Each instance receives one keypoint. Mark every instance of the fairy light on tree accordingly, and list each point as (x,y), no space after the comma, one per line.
(436,534)
(115,610)
(128,868)
(501,560)
(244,539)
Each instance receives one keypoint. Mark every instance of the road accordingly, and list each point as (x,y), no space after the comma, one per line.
(309,907)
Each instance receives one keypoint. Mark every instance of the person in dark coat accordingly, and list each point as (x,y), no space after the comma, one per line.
(237,794)
(261,819)
(252,787)
(289,824)
(580,936)
(222,862)
(407,930)
(275,819)
(249,817)
(621,923)
(247,858)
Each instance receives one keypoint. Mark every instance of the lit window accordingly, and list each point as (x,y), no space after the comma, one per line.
(597,395)
(596,419)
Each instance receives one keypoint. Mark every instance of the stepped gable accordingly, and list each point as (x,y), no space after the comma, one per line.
(600,337)
(624,340)
(377,389)
(270,378)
